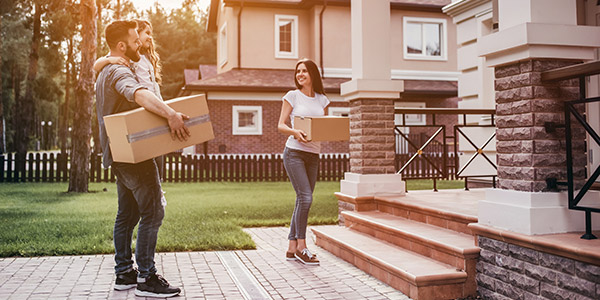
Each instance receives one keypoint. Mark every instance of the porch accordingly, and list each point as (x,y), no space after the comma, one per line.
(428,245)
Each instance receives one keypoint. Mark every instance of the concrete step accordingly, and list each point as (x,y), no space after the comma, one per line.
(445,245)
(417,276)
(442,213)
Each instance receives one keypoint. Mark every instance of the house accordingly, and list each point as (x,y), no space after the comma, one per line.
(260,41)
(530,237)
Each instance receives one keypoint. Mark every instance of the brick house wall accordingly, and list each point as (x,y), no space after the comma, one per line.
(270,141)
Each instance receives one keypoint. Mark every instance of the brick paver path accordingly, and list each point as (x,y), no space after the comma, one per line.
(251,274)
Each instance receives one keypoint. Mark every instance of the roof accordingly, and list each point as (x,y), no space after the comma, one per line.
(279,80)
(422,5)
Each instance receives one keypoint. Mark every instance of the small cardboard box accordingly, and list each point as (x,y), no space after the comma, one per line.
(138,135)
(326,128)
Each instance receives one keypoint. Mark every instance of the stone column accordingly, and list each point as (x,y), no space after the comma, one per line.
(528,153)
(371,94)
(534,36)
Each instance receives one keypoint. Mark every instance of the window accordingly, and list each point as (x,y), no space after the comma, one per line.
(247,120)
(286,36)
(425,38)
(223,45)
(339,111)
(410,119)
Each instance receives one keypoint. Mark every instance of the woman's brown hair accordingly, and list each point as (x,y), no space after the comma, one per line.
(315,75)
(151,53)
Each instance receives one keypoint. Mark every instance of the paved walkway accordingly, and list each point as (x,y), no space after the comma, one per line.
(249,274)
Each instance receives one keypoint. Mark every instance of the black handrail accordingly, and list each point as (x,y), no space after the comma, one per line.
(580,71)
(441,128)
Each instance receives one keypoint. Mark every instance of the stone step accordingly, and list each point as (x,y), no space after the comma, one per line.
(417,276)
(442,214)
(445,245)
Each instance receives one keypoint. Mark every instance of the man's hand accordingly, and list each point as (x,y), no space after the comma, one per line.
(177,125)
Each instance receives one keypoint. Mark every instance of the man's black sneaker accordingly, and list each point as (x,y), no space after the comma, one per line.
(126,281)
(156,286)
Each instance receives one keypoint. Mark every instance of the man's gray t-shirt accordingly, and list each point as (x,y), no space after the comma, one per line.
(115,89)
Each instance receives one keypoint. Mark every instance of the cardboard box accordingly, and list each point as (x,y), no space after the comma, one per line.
(326,128)
(138,135)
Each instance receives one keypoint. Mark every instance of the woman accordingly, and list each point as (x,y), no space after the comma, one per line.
(301,157)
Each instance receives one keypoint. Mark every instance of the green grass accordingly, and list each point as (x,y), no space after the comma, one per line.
(41,219)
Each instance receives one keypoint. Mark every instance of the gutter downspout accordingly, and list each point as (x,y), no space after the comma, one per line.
(239,36)
(321,38)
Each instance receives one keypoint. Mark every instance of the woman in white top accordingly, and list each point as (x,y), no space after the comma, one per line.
(301,157)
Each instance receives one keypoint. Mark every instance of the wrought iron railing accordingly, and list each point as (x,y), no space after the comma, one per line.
(442,163)
(579,71)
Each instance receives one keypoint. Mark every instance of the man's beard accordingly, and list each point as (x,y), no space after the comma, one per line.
(132,54)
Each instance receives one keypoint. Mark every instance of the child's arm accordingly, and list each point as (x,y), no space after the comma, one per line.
(106,60)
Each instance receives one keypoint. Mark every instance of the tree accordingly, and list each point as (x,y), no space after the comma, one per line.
(80,164)
(26,106)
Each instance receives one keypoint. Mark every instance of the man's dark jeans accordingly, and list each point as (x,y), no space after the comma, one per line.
(139,190)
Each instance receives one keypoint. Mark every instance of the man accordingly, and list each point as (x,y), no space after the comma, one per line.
(138,185)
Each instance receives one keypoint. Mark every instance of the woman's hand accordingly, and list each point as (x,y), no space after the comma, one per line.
(115,60)
(300,135)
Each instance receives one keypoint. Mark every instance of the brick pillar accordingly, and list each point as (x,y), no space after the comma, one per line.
(372,136)
(527,154)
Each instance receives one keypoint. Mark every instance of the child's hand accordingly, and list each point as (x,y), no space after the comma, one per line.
(115,60)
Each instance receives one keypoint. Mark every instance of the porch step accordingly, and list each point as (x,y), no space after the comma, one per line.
(447,246)
(417,276)
(413,207)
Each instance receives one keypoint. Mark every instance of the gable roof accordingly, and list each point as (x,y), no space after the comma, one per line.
(279,80)
(421,5)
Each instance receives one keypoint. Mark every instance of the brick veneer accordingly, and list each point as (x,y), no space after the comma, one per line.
(271,141)
(527,154)
(508,271)
(372,136)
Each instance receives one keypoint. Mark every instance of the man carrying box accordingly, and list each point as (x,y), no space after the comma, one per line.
(138,185)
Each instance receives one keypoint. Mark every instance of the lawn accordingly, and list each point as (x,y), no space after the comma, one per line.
(41,219)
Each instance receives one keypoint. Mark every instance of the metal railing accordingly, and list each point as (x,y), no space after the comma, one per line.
(579,71)
(442,165)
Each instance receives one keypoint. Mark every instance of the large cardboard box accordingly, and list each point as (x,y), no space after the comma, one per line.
(326,128)
(138,135)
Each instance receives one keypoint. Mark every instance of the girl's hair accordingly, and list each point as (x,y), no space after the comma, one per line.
(150,53)
(315,76)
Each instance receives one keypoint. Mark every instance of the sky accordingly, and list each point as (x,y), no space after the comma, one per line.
(167,4)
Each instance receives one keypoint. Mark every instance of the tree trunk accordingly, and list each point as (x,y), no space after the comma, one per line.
(2,128)
(64,127)
(26,106)
(95,126)
(16,88)
(84,96)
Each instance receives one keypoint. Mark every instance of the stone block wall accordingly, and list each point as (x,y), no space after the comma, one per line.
(372,136)
(507,271)
(527,153)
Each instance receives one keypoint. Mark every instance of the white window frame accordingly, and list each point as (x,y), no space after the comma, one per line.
(223,54)
(412,119)
(236,129)
(423,56)
(338,111)
(294,47)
